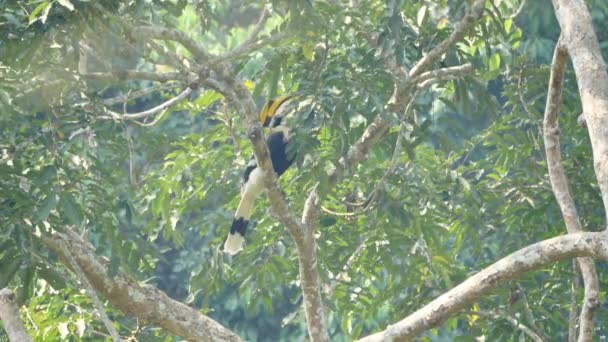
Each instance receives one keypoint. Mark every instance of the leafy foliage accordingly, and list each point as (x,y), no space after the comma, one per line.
(469,186)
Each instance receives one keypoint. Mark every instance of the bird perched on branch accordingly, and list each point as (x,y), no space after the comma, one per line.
(273,116)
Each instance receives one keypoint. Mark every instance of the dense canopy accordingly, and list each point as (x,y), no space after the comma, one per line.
(420,160)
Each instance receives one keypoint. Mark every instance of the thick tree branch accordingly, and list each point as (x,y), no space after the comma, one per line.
(9,315)
(145,302)
(559,183)
(529,258)
(403,94)
(592,79)
(310,282)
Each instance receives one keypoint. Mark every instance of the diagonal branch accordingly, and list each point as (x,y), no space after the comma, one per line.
(164,33)
(536,337)
(301,232)
(252,38)
(144,302)
(524,260)
(559,184)
(404,91)
(152,111)
(9,316)
(473,14)
(245,49)
(92,294)
(132,95)
(450,73)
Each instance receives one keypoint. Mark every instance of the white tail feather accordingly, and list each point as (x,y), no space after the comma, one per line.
(234,243)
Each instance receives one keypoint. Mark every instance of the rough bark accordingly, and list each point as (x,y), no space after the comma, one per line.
(145,302)
(9,315)
(592,78)
(471,290)
(561,190)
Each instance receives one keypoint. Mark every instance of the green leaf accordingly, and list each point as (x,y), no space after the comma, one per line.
(71,209)
(508,24)
(8,268)
(114,265)
(494,62)
(207,99)
(48,204)
(421,15)
(67,4)
(46,6)
(46,174)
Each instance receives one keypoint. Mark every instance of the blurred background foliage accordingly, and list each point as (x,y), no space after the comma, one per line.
(470,184)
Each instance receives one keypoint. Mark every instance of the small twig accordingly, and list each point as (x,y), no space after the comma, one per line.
(164,33)
(29,318)
(349,263)
(132,95)
(444,73)
(130,148)
(179,61)
(520,91)
(151,123)
(512,320)
(253,36)
(252,43)
(151,111)
(134,75)
(91,291)
(396,153)
(518,11)
(364,210)
(573,316)
(527,310)
(470,18)
(399,72)
(227,119)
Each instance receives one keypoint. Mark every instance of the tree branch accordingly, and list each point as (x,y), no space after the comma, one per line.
(310,282)
(404,87)
(137,94)
(524,260)
(251,39)
(9,315)
(444,74)
(145,302)
(245,49)
(559,183)
(473,14)
(572,322)
(513,321)
(164,33)
(152,111)
(92,294)
(134,75)
(592,80)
